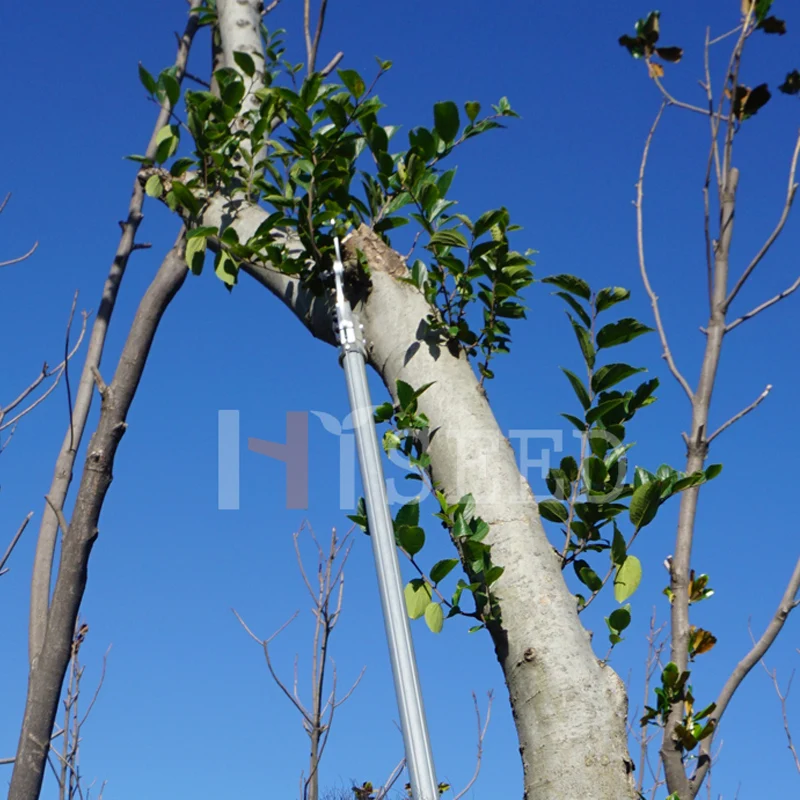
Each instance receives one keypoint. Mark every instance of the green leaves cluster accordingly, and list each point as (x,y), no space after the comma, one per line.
(318,158)
(468,531)
(695,725)
(591,494)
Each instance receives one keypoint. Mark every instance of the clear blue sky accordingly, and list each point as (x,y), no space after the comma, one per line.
(188,709)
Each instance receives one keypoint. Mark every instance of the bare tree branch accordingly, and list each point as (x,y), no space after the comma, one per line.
(783,697)
(787,207)
(48,669)
(64,467)
(742,413)
(46,373)
(12,545)
(788,602)
(482,728)
(326,598)
(312,41)
(765,305)
(667,353)
(20,258)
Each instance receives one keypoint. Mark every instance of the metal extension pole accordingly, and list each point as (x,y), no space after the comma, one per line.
(419,757)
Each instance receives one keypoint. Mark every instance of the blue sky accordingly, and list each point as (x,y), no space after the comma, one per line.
(188,708)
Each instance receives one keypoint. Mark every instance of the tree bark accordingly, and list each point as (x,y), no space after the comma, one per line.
(47,674)
(570,711)
(62,475)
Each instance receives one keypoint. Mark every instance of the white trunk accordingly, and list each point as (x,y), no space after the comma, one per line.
(570,712)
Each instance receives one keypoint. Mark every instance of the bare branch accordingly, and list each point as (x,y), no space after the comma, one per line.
(765,305)
(312,43)
(332,64)
(787,207)
(783,697)
(59,516)
(12,545)
(742,413)
(383,792)
(20,258)
(65,463)
(667,353)
(265,647)
(46,372)
(482,728)
(788,602)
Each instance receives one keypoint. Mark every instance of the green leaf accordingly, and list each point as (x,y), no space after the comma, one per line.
(644,503)
(154,187)
(472,109)
(601,410)
(585,342)
(411,538)
(245,63)
(167,140)
(625,330)
(569,466)
(441,569)
(418,597)
(609,297)
(148,81)
(185,197)
(493,574)
(619,549)
(587,576)
(762,9)
(353,81)
(487,221)
(553,511)
(620,618)
(171,87)
(446,120)
(712,471)
(579,388)
(196,253)
(384,412)
(226,269)
(628,578)
(434,617)
(595,472)
(576,307)
(406,396)
(611,375)
(408,514)
(448,238)
(571,284)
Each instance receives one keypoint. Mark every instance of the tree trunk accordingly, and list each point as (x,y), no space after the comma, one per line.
(570,712)
(47,674)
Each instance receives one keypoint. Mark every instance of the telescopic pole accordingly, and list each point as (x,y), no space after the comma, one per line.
(419,757)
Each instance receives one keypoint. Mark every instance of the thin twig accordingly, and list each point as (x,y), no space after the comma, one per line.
(667,354)
(783,697)
(742,413)
(788,602)
(765,305)
(13,544)
(482,728)
(59,516)
(787,207)
(20,258)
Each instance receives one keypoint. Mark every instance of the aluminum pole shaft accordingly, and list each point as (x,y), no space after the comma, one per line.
(419,756)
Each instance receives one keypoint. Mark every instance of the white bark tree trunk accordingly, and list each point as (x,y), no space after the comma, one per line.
(570,712)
